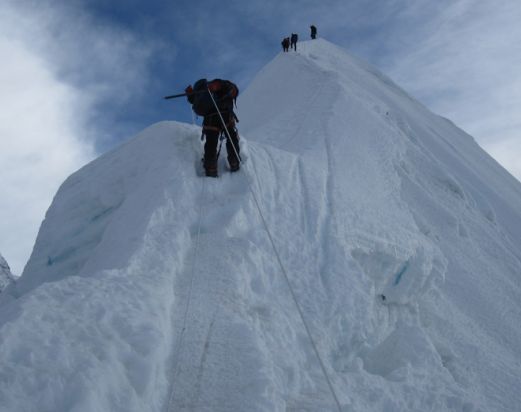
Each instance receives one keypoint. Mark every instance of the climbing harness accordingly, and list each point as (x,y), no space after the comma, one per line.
(225,127)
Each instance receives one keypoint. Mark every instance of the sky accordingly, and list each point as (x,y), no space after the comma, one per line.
(79,77)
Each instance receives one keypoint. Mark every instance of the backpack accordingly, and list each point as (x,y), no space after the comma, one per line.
(201,100)
(229,89)
(223,91)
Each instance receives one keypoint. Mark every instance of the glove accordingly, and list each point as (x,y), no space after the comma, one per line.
(190,94)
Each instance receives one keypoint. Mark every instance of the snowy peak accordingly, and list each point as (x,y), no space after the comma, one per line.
(163,290)
(299,89)
(322,97)
(5,274)
(413,200)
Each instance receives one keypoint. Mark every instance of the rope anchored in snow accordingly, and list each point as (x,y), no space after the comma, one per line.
(283,269)
(297,305)
(286,277)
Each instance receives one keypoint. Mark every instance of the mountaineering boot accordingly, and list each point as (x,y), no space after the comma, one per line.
(234,163)
(210,167)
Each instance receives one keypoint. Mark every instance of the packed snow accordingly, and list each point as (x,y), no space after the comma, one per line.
(365,258)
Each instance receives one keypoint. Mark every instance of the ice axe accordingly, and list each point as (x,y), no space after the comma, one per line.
(174,96)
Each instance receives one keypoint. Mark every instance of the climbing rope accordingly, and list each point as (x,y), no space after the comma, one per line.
(193,116)
(188,301)
(297,305)
(283,269)
(225,127)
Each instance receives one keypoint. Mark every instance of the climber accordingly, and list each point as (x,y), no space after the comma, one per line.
(294,39)
(224,93)
(313,31)
(285,44)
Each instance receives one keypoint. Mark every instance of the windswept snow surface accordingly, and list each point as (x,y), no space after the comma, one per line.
(153,289)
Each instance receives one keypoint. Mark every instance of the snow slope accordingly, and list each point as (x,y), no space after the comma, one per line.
(150,288)
(5,274)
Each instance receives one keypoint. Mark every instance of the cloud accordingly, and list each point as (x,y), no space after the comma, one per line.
(39,146)
(60,69)
(508,150)
(462,59)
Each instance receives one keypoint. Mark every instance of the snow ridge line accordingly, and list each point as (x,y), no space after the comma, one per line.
(311,102)
(293,295)
(188,301)
(314,98)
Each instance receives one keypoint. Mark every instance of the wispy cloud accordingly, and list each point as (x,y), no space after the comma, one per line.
(60,67)
(509,151)
(39,146)
(462,59)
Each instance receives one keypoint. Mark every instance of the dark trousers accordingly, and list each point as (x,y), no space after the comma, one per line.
(212,129)
(294,45)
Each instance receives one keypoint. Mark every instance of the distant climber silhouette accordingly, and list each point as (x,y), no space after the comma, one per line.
(313,31)
(294,39)
(285,44)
